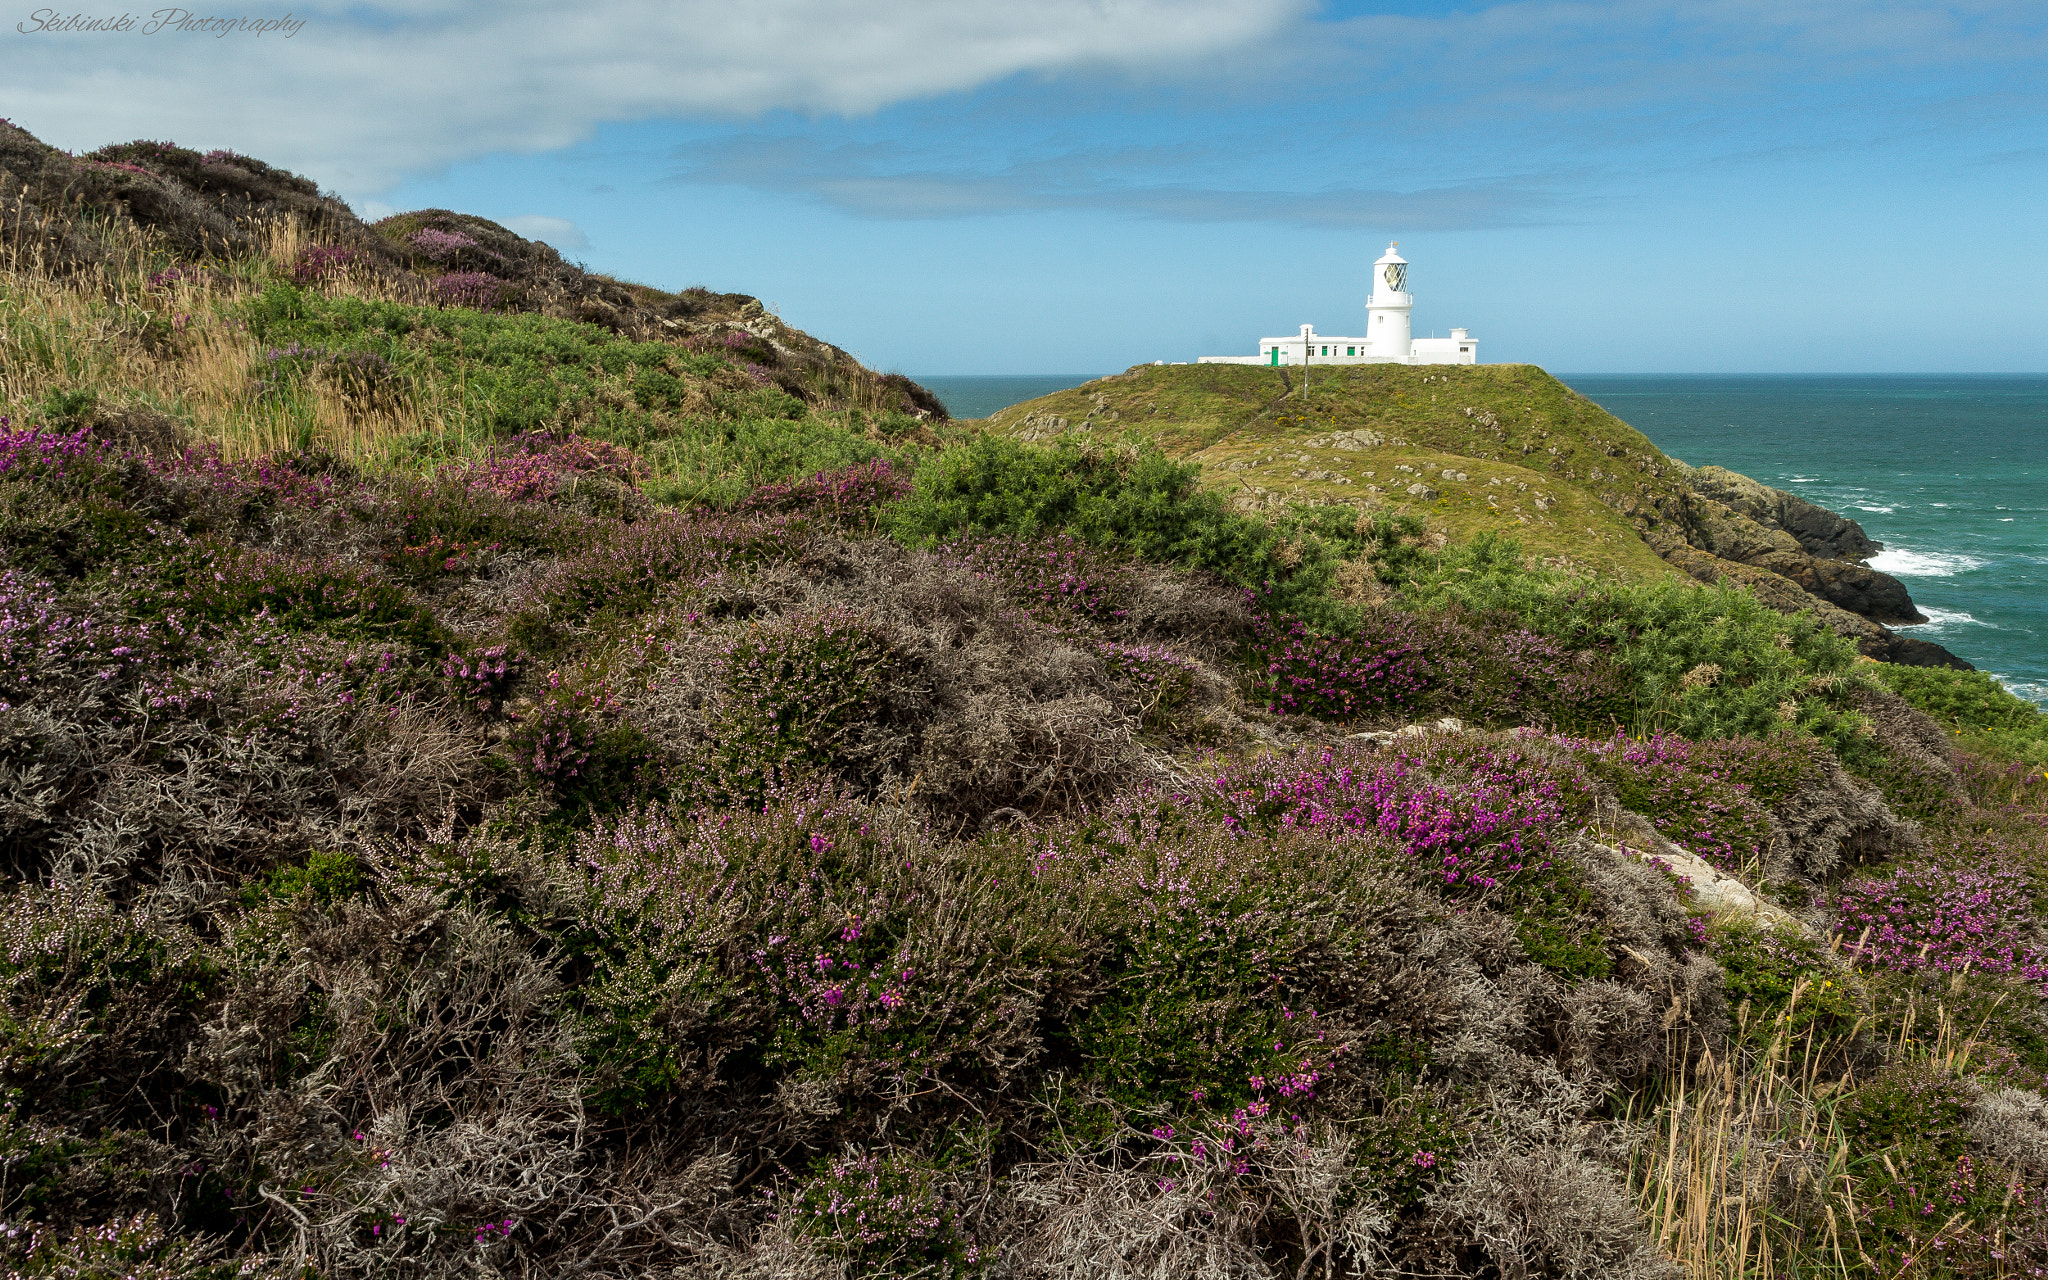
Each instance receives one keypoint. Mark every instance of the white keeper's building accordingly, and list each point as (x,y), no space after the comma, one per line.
(1387,339)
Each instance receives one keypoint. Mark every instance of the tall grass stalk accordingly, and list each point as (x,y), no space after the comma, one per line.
(1743,1174)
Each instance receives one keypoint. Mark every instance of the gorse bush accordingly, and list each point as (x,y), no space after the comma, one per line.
(1704,662)
(1138,502)
(1993,721)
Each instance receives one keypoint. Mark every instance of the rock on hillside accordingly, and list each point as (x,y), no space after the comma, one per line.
(1500,447)
(61,214)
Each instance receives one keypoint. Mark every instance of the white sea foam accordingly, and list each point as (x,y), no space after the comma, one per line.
(1871,506)
(1945,619)
(2032,690)
(1901,563)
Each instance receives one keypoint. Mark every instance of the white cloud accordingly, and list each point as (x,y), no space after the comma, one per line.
(361,97)
(357,102)
(559,233)
(880,181)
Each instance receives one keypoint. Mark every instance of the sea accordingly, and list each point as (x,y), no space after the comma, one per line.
(1949,472)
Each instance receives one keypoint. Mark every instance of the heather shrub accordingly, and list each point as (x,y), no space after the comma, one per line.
(440,246)
(1378,670)
(1403,664)
(245,498)
(476,289)
(850,499)
(482,677)
(1478,820)
(1473,815)
(1687,793)
(796,691)
(821,942)
(642,564)
(91,995)
(66,501)
(1925,1199)
(1058,578)
(1159,680)
(568,740)
(221,585)
(140,1247)
(323,262)
(1945,918)
(539,465)
(57,535)
(884,1214)
(1207,1008)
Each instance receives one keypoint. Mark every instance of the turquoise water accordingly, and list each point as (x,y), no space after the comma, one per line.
(1949,473)
(980,396)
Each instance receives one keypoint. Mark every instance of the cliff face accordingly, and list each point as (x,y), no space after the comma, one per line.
(1797,555)
(1495,447)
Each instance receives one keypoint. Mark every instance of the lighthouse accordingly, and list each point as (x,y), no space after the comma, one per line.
(1387,310)
(1387,338)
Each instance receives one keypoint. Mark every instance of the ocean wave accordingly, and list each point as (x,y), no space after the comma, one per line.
(1901,563)
(1942,619)
(2034,691)
(1871,506)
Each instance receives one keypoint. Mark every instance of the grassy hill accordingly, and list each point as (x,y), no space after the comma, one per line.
(506,772)
(1562,475)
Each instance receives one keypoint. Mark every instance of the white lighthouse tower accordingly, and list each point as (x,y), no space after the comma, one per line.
(1387,338)
(1386,335)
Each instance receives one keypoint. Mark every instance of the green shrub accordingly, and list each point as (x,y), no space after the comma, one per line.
(1552,910)
(321,879)
(1707,662)
(1990,720)
(1766,968)
(796,690)
(1139,502)
(227,585)
(1925,1193)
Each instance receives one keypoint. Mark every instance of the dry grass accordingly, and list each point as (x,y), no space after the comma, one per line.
(177,349)
(1744,1172)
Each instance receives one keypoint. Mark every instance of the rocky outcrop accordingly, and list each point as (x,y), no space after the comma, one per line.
(1787,595)
(1736,518)
(1795,556)
(1818,531)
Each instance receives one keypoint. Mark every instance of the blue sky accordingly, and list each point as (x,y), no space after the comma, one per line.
(1079,185)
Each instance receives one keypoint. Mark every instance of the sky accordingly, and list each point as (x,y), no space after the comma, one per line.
(1076,186)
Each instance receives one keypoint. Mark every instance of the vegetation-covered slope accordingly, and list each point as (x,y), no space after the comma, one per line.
(1490,448)
(486,792)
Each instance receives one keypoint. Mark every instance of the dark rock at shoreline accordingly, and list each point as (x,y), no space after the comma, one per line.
(1818,531)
